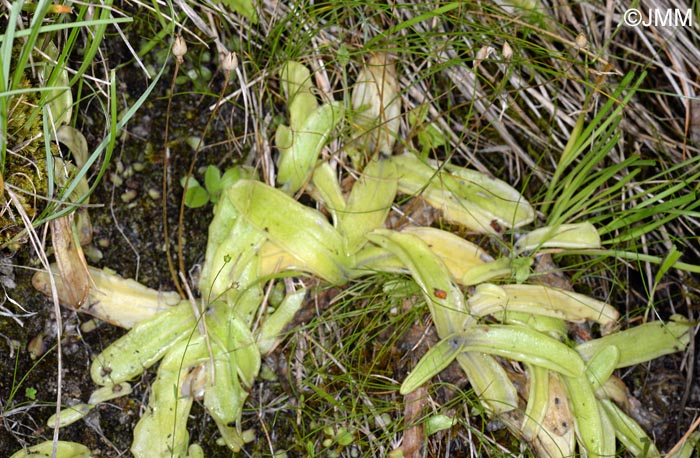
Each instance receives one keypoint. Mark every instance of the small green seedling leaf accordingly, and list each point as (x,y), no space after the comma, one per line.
(521,269)
(30,393)
(438,423)
(232,175)
(429,136)
(195,195)
(213,182)
(245,8)
(344,437)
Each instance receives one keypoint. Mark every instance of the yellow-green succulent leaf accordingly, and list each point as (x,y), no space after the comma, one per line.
(121,301)
(283,138)
(488,271)
(589,425)
(225,216)
(369,203)
(537,401)
(432,363)
(143,346)
(274,259)
(162,430)
(64,449)
(64,172)
(247,356)
(414,174)
(641,343)
(373,258)
(437,423)
(326,190)
(464,196)
(489,381)
(418,178)
(601,366)
(58,98)
(299,90)
(76,143)
(556,435)
(235,341)
(246,298)
(296,83)
(443,297)
(70,415)
(569,236)
(609,447)
(523,344)
(556,328)
(301,231)
(107,393)
(269,334)
(508,207)
(459,256)
(222,271)
(541,300)
(296,164)
(454,208)
(224,396)
(233,438)
(628,431)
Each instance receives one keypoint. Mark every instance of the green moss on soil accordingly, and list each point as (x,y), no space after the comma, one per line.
(25,168)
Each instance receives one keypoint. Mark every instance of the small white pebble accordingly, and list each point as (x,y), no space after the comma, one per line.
(92,253)
(116,179)
(507,51)
(129,195)
(194,142)
(89,326)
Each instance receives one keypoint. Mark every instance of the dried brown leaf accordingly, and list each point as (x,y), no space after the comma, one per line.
(71,262)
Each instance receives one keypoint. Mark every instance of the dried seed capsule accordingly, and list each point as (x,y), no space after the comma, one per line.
(377,103)
(179,48)
(229,61)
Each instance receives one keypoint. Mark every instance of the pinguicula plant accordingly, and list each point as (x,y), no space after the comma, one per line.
(487,314)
